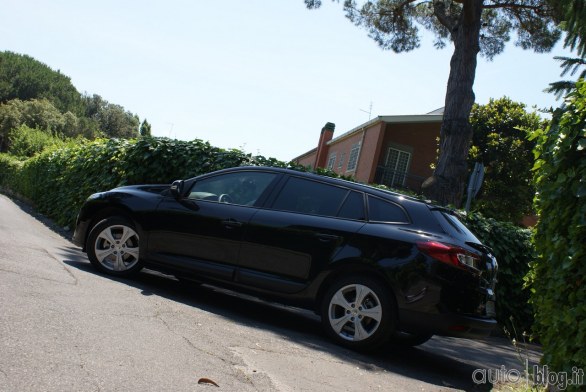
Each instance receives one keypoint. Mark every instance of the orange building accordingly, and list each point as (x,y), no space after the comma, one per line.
(396,151)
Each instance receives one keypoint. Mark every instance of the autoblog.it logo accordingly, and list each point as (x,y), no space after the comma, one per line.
(534,376)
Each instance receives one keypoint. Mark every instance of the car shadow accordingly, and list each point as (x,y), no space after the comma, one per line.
(429,363)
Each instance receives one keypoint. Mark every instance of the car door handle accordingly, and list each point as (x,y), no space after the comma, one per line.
(327,237)
(231,223)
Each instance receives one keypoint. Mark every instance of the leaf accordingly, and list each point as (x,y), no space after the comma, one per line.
(207,381)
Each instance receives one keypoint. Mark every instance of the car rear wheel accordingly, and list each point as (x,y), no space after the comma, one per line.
(358,312)
(113,247)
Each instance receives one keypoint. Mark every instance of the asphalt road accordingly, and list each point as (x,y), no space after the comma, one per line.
(65,327)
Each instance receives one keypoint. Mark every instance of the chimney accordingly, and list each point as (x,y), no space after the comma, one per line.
(327,133)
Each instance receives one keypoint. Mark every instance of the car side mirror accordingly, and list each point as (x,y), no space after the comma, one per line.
(176,189)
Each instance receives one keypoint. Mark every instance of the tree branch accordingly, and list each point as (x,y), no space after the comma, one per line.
(536,8)
(439,10)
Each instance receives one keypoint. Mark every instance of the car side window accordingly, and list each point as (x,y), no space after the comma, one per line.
(385,211)
(310,197)
(353,207)
(242,188)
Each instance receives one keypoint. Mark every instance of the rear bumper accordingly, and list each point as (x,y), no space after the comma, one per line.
(447,324)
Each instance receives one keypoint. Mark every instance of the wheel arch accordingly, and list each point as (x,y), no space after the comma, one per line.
(106,212)
(354,268)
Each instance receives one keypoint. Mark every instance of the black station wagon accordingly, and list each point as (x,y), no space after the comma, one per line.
(374,265)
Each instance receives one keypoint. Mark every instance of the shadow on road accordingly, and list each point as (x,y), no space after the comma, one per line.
(431,363)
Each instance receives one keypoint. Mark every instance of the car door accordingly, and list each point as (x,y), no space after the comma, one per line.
(286,244)
(202,232)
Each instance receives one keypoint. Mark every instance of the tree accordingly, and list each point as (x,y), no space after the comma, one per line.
(473,27)
(39,114)
(113,120)
(145,128)
(572,17)
(116,122)
(22,77)
(499,141)
(569,65)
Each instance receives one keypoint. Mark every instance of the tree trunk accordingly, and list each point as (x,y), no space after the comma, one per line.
(447,184)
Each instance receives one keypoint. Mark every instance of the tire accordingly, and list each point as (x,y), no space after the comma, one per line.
(405,339)
(359,313)
(113,247)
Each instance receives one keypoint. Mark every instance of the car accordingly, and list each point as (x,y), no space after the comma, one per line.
(377,266)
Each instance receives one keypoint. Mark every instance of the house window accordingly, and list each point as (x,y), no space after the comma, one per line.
(353,159)
(341,161)
(332,161)
(396,166)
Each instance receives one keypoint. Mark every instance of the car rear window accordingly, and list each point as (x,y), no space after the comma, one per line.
(384,211)
(453,226)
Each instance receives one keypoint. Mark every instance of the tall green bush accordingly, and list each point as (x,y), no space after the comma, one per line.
(58,181)
(558,277)
(10,167)
(26,142)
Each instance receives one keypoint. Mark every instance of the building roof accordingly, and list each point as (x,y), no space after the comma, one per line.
(402,119)
(431,117)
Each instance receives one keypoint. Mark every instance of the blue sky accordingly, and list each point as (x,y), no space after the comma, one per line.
(260,75)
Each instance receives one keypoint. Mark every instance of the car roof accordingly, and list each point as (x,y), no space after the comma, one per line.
(331,180)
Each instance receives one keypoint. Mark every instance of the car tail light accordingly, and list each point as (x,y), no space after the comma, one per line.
(450,254)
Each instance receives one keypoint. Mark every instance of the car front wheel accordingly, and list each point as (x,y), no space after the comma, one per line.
(113,247)
(358,312)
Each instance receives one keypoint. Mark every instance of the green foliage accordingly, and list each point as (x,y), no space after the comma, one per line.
(26,142)
(569,65)
(557,278)
(572,15)
(33,94)
(10,167)
(514,252)
(395,24)
(36,113)
(145,128)
(113,120)
(59,181)
(24,78)
(500,143)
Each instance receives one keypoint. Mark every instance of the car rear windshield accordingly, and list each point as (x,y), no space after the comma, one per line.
(452,225)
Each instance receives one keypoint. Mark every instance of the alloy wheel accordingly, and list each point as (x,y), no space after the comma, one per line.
(116,248)
(355,312)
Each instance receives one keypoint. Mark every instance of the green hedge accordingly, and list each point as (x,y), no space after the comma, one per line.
(10,167)
(514,252)
(558,278)
(58,181)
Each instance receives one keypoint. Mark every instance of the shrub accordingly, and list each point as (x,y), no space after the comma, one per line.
(557,278)
(26,142)
(514,252)
(58,181)
(10,167)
